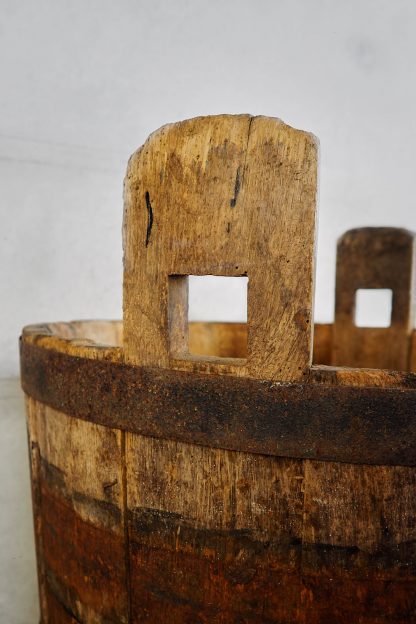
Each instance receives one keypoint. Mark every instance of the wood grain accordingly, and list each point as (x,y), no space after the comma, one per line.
(215,543)
(177,469)
(225,195)
(357,507)
(220,543)
(133,528)
(79,515)
(103,340)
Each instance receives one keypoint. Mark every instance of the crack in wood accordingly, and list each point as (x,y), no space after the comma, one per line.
(237,187)
(149,218)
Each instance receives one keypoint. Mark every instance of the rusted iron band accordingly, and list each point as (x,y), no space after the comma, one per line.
(307,421)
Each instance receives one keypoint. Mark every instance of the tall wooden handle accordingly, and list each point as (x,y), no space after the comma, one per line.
(374,258)
(224,195)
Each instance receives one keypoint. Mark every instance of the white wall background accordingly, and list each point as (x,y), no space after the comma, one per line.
(82,84)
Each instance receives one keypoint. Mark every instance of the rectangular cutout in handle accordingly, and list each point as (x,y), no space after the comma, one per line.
(373,307)
(225,195)
(217,305)
(215,298)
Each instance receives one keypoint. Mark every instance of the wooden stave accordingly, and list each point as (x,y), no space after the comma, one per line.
(324,578)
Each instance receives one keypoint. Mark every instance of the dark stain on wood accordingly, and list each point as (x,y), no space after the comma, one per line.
(219,576)
(189,589)
(105,513)
(171,532)
(86,559)
(237,187)
(186,588)
(149,218)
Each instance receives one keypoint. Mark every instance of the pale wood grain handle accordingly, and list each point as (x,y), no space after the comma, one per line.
(374,258)
(224,195)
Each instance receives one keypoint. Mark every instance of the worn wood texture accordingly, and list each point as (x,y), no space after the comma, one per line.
(226,195)
(140,529)
(255,539)
(103,340)
(134,528)
(216,544)
(375,258)
(35,478)
(79,517)
(218,339)
(359,543)
(177,471)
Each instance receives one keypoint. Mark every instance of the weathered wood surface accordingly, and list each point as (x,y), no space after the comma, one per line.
(77,475)
(153,530)
(169,487)
(226,195)
(256,539)
(218,339)
(201,539)
(103,340)
(375,258)
(212,535)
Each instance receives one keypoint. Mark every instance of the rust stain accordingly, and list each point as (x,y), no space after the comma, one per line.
(87,560)
(313,420)
(186,588)
(201,575)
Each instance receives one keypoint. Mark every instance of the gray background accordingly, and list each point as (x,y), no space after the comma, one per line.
(82,85)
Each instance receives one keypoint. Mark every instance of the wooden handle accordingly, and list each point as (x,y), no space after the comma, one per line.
(374,258)
(224,195)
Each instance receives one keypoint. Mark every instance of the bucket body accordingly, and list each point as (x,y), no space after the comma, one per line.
(132,527)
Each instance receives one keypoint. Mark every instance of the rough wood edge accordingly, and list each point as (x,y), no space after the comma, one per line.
(65,338)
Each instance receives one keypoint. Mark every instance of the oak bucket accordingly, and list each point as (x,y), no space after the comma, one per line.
(211,472)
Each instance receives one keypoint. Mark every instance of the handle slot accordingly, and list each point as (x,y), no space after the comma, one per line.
(224,195)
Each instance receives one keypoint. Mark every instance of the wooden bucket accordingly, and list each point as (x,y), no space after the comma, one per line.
(210,473)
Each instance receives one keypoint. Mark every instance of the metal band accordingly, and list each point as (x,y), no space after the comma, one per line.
(307,421)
